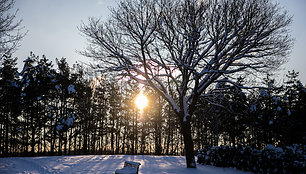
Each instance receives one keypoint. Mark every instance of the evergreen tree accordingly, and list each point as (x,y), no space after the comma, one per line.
(9,106)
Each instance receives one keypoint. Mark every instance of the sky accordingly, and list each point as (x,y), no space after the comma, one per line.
(52,27)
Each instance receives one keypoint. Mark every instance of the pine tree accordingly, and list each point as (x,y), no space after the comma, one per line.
(295,98)
(9,106)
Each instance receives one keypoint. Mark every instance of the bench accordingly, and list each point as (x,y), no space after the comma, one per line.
(129,167)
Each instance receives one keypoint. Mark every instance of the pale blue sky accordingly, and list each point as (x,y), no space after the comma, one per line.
(52,29)
(297,61)
(52,26)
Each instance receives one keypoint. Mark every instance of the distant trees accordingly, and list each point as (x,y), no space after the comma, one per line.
(263,116)
(66,111)
(181,48)
(10,30)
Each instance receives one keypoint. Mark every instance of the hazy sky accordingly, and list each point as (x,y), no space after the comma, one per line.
(52,29)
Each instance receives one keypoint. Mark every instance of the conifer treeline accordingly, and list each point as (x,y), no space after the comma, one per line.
(273,114)
(66,111)
(48,111)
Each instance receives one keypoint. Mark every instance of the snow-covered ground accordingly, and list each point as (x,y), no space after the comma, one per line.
(104,164)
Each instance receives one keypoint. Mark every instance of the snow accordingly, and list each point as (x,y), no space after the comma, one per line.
(263,93)
(58,88)
(71,89)
(105,164)
(17,75)
(275,100)
(301,86)
(14,84)
(253,108)
(129,167)
(126,170)
(271,147)
(69,121)
(59,127)
(186,114)
(133,163)
(72,115)
(288,112)
(270,122)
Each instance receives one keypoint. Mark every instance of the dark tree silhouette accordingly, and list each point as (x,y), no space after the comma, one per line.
(189,44)
(66,111)
(10,30)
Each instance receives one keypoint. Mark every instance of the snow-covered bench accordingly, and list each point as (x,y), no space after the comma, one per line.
(130,167)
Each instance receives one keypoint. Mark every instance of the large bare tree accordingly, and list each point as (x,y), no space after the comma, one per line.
(10,30)
(182,47)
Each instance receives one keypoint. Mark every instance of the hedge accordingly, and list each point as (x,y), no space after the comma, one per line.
(291,159)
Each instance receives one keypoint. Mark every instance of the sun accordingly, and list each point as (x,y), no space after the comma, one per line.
(141,101)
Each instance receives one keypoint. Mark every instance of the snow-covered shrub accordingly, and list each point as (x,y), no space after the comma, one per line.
(291,159)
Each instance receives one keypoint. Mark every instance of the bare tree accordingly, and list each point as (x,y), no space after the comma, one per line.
(10,31)
(182,47)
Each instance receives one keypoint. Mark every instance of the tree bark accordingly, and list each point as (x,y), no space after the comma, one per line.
(33,136)
(6,135)
(188,143)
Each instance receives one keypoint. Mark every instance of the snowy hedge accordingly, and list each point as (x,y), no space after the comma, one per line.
(291,159)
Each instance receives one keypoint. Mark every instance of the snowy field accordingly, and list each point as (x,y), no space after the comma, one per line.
(104,164)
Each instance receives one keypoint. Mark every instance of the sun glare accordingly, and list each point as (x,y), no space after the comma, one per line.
(141,101)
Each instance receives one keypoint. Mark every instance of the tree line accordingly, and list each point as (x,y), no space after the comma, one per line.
(181,48)
(75,110)
(69,110)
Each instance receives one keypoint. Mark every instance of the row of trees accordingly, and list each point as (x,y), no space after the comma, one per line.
(190,52)
(181,48)
(273,115)
(67,111)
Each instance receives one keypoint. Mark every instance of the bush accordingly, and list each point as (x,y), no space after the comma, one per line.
(291,159)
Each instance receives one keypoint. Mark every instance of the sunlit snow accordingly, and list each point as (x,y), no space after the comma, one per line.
(105,164)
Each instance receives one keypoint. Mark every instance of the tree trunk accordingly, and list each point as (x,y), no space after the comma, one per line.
(6,135)
(1,136)
(188,143)
(33,135)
